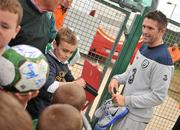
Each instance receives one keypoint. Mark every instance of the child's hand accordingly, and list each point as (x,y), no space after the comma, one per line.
(80,82)
(24,98)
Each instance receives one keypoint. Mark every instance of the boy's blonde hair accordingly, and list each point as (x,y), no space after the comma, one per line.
(67,35)
(60,117)
(12,6)
(70,93)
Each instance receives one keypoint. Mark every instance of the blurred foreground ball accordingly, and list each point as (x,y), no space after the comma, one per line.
(23,68)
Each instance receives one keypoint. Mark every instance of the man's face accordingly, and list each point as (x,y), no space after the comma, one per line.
(151,32)
(51,5)
(64,50)
(66,3)
(8,27)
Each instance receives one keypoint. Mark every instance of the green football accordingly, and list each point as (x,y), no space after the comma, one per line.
(25,68)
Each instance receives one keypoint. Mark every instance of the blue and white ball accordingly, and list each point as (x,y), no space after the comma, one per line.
(24,68)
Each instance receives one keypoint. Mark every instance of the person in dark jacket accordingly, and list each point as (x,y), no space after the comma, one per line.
(63,47)
(35,25)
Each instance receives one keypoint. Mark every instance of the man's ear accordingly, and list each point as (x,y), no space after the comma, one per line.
(17,30)
(163,30)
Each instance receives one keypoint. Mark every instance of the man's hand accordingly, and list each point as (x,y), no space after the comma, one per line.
(118,99)
(113,85)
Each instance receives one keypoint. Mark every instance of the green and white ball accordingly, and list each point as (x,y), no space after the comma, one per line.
(25,68)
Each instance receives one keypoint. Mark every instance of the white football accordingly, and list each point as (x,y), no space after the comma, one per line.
(26,69)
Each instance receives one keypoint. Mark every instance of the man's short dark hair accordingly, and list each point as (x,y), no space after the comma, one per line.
(159,17)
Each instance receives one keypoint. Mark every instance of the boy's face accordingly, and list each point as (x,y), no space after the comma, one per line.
(64,50)
(8,27)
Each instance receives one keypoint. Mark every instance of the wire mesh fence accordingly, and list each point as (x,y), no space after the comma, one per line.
(94,23)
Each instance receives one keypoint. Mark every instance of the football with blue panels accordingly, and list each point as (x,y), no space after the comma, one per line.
(23,68)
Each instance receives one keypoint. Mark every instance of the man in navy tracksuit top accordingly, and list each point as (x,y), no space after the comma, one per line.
(148,79)
(63,47)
